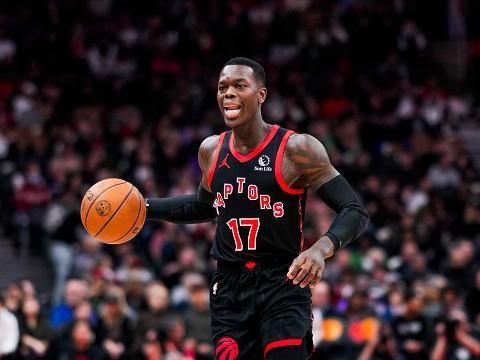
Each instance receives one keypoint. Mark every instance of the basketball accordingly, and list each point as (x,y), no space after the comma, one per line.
(113,211)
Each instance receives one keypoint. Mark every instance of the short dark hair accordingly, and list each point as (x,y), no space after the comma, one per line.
(258,70)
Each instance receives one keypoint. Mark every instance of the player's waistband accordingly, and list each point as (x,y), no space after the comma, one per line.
(251,265)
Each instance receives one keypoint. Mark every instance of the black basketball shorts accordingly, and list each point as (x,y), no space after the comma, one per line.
(257,311)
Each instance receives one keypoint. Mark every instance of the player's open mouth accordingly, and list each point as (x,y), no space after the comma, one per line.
(231,111)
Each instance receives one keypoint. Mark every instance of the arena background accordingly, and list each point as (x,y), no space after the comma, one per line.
(116,88)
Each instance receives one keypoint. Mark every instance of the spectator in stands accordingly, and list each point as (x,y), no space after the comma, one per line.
(9,330)
(28,289)
(454,338)
(472,299)
(197,321)
(82,344)
(321,309)
(13,298)
(84,311)
(76,291)
(363,327)
(151,348)
(61,222)
(411,330)
(174,339)
(459,268)
(31,197)
(36,333)
(153,320)
(134,290)
(115,328)
(87,256)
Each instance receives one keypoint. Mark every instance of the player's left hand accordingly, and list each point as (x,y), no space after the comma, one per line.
(307,268)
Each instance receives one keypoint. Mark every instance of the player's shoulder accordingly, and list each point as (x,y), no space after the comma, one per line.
(206,151)
(209,144)
(303,142)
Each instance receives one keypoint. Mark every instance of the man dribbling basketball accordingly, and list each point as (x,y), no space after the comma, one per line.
(254,181)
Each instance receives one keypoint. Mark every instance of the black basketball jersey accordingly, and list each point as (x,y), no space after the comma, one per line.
(259,215)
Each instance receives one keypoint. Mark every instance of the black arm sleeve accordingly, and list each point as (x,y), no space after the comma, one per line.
(351,220)
(186,209)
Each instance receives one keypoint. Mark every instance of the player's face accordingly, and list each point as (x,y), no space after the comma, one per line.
(239,95)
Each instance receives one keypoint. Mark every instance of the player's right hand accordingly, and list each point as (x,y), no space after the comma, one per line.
(307,268)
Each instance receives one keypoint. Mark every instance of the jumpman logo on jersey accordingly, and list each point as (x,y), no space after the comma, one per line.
(224,162)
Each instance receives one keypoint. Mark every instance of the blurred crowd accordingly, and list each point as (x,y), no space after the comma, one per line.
(114,88)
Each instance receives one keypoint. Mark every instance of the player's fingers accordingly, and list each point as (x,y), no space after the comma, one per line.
(304,270)
(295,267)
(317,277)
(320,272)
(316,267)
(311,275)
(313,282)
(308,279)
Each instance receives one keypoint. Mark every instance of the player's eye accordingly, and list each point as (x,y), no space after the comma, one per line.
(240,86)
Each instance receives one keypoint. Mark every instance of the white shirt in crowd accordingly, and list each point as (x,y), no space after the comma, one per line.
(9,332)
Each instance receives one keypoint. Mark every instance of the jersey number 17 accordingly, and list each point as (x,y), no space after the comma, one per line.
(253,224)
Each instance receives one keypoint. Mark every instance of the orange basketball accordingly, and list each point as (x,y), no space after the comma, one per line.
(113,211)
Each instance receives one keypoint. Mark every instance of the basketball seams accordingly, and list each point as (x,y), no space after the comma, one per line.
(135,222)
(93,202)
(113,215)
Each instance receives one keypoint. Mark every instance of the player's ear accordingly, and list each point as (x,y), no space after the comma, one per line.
(262,95)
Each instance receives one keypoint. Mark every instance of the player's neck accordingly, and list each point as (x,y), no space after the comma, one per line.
(248,136)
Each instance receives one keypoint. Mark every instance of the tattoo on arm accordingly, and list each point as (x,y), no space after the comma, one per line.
(310,160)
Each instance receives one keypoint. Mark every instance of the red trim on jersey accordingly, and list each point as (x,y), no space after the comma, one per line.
(281,343)
(245,157)
(215,159)
(302,241)
(278,167)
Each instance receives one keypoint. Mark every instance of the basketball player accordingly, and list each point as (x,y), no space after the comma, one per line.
(254,181)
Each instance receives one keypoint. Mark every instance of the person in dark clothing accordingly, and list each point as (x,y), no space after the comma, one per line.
(82,345)
(455,339)
(197,321)
(254,181)
(35,332)
(411,331)
(472,299)
(115,327)
(152,322)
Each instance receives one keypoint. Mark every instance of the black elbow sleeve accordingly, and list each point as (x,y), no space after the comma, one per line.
(186,209)
(351,220)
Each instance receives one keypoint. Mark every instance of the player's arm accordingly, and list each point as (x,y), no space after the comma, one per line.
(188,209)
(312,165)
(309,162)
